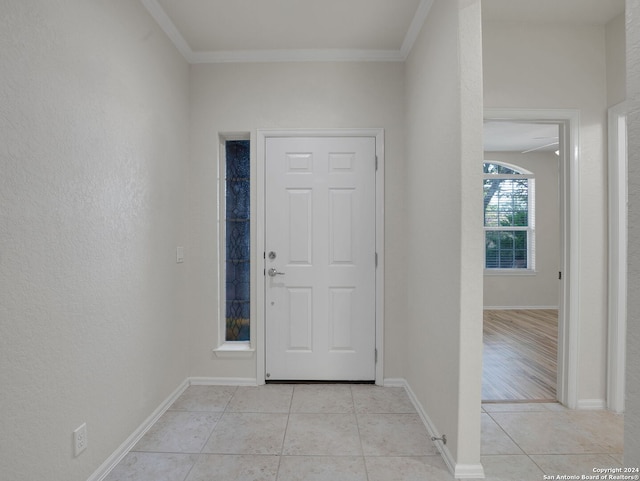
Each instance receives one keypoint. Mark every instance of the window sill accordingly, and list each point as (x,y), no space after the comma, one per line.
(234,350)
(509,272)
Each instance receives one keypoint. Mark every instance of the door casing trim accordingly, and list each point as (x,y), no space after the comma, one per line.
(260,215)
(617,330)
(569,315)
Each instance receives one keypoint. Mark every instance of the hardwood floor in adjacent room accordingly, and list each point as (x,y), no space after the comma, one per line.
(520,355)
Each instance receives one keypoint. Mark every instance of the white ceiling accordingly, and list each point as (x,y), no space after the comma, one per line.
(303,30)
(276,30)
(209,31)
(291,24)
(509,136)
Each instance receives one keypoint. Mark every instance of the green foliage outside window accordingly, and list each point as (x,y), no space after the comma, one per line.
(506,218)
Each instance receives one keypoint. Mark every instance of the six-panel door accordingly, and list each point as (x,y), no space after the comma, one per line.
(320,258)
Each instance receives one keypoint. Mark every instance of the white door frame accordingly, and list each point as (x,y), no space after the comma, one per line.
(617,257)
(569,313)
(260,282)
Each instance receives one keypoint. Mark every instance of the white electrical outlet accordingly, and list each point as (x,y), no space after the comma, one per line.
(80,439)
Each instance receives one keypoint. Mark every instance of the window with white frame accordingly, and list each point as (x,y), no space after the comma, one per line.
(509,217)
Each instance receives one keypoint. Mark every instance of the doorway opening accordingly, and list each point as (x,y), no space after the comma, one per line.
(530,331)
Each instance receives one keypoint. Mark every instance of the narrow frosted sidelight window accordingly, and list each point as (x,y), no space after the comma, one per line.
(237,240)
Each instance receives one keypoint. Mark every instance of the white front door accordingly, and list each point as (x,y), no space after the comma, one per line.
(320,258)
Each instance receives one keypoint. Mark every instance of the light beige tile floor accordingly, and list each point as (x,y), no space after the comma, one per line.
(354,433)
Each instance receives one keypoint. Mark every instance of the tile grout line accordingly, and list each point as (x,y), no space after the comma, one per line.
(514,441)
(536,464)
(218,420)
(355,415)
(284,436)
(530,455)
(195,458)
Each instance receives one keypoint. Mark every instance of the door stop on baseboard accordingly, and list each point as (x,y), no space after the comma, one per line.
(443,439)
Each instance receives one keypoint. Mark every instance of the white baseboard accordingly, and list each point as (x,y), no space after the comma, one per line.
(395,382)
(131,441)
(591,404)
(459,471)
(519,308)
(222,381)
(469,471)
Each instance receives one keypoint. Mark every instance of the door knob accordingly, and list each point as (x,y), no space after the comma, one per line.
(274,272)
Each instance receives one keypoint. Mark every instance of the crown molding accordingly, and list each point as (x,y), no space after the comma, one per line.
(416,25)
(292,55)
(165,23)
(311,55)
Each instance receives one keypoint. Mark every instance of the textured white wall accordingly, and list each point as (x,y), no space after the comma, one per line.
(564,67)
(444,237)
(94,116)
(540,290)
(632,415)
(246,97)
